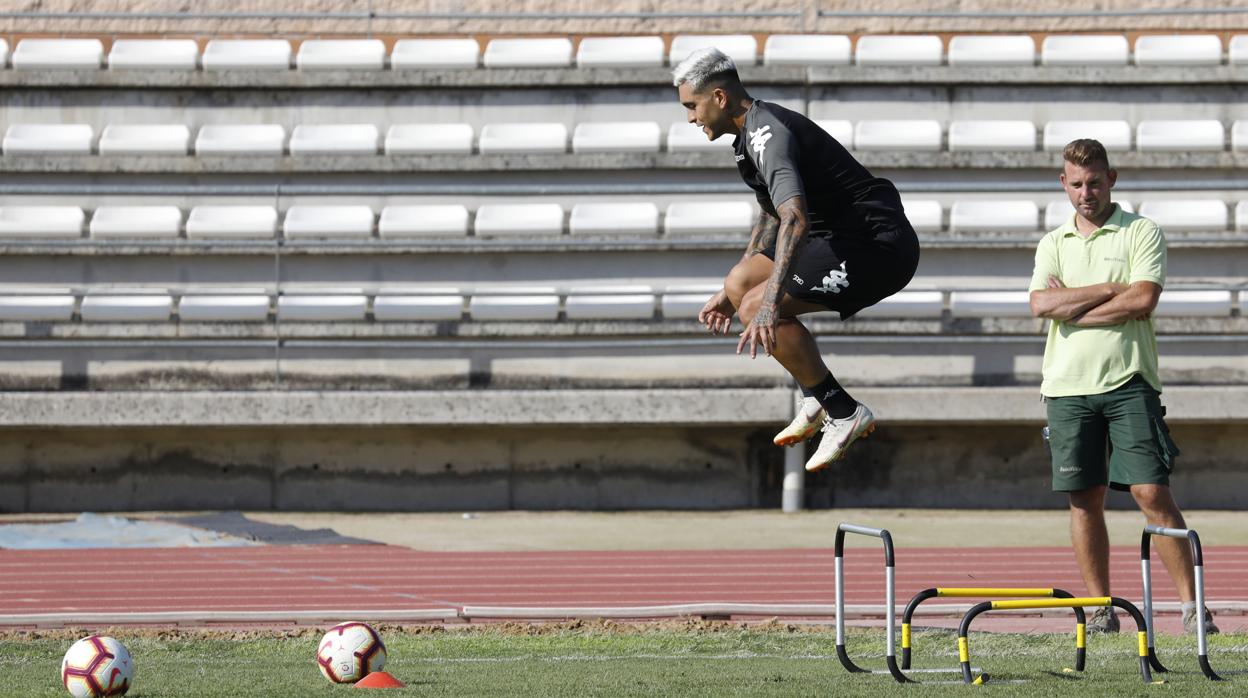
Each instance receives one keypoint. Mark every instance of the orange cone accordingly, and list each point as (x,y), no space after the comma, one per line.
(379,679)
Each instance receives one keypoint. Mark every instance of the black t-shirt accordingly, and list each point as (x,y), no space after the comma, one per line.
(782,154)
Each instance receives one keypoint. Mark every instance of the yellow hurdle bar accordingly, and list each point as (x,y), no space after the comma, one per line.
(989,591)
(1052,603)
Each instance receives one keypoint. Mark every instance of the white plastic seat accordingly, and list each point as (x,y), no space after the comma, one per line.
(423,220)
(1187,215)
(417,308)
(58,54)
(340,221)
(684,137)
(1241,218)
(806,49)
(1114,135)
(967,304)
(519,219)
(1178,49)
(925,215)
(429,139)
(336,139)
(160,222)
(41,221)
(543,307)
(246,222)
(1084,49)
(153,54)
(1058,212)
(616,137)
(528,53)
(1239,136)
(680,304)
(1014,216)
(1217,303)
(709,218)
(899,50)
(840,129)
(247,54)
(633,306)
(965,51)
(126,307)
(992,135)
(1203,134)
(322,307)
(898,134)
(341,54)
(620,52)
(4,53)
(741,48)
(35,307)
(240,139)
(48,139)
(417,54)
(524,138)
(1237,51)
(145,139)
(632,218)
(253,307)
(907,304)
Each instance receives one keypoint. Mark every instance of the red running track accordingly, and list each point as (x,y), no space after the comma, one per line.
(378,577)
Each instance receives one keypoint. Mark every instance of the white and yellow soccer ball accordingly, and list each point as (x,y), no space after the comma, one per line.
(97,666)
(349,652)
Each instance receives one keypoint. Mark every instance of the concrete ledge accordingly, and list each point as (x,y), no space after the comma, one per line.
(668,407)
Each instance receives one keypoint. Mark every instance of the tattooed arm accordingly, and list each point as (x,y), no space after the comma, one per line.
(791,233)
(763,235)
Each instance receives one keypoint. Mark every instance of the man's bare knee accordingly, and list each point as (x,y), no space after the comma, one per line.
(1089,501)
(1158,505)
(749,305)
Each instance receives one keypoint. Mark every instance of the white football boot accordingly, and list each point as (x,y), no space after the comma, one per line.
(810,415)
(838,434)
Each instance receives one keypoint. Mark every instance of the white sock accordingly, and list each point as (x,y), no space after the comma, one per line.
(1189,606)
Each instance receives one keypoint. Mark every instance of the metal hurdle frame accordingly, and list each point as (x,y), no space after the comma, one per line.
(890,601)
(1198,564)
(1081,626)
(964,653)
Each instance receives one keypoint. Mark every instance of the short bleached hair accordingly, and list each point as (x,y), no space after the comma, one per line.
(703,67)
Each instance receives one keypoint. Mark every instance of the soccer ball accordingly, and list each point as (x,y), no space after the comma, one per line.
(97,666)
(349,652)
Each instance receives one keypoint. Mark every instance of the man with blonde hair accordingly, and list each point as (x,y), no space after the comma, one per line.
(1097,279)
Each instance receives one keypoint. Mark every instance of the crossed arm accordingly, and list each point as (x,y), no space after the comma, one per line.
(1099,305)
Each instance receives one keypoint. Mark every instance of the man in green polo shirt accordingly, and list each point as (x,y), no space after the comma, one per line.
(1097,279)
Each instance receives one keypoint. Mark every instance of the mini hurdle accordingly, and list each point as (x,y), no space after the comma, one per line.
(889,599)
(986,592)
(964,653)
(1198,564)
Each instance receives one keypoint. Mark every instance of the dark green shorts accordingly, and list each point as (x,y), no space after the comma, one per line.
(1125,427)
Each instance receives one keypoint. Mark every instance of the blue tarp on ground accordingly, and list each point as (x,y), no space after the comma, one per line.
(108,531)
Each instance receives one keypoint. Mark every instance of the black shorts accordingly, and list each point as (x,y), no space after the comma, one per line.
(847,272)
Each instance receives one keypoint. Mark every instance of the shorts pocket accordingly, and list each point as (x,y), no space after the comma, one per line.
(1166,447)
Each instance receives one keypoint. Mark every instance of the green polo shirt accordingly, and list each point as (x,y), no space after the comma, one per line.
(1095,360)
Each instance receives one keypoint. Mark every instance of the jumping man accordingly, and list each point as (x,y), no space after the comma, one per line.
(830,237)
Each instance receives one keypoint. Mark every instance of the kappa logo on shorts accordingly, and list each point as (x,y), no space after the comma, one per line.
(758,140)
(834,281)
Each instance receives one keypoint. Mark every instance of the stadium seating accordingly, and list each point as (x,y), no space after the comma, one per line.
(58,54)
(313,221)
(1114,135)
(742,48)
(54,305)
(341,54)
(614,137)
(986,304)
(153,54)
(528,53)
(1186,136)
(252,306)
(620,52)
(121,305)
(393,307)
(899,134)
(247,54)
(216,221)
(841,130)
(721,217)
(240,139)
(907,304)
(610,303)
(684,137)
(429,139)
(1084,49)
(41,221)
(422,221)
(1187,214)
(312,306)
(340,139)
(145,139)
(876,50)
(426,54)
(633,218)
(1237,52)
(806,49)
(519,219)
(4,53)
(967,51)
(1212,303)
(1201,49)
(48,139)
(992,135)
(995,216)
(925,216)
(1241,217)
(136,222)
(515,304)
(524,138)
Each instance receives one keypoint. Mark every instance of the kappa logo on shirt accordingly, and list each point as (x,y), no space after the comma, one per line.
(758,140)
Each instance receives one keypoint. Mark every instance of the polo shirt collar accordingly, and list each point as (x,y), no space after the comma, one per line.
(1113,224)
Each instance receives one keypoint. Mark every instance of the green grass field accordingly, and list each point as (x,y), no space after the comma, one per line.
(605,659)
